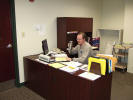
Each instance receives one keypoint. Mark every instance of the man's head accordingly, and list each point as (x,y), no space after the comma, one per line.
(81,38)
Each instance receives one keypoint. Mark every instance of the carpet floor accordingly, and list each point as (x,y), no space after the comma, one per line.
(22,93)
(122,86)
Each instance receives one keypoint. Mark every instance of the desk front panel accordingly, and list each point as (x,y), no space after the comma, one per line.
(54,84)
(38,77)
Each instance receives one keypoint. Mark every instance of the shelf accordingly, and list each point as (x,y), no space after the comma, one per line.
(120,51)
(72,32)
(121,66)
(120,47)
(121,55)
(123,47)
(95,48)
(110,29)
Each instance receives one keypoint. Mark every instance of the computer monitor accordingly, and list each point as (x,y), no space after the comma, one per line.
(45,46)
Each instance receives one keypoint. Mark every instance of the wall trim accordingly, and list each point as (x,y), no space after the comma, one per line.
(14,38)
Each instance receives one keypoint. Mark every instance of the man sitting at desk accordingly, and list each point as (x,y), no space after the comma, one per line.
(83,49)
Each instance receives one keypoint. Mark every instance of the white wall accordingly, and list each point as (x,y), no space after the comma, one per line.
(117,14)
(112,14)
(107,39)
(128,31)
(44,13)
(112,22)
(130,61)
(128,21)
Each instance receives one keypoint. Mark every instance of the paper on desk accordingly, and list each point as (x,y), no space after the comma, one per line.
(56,65)
(60,55)
(41,61)
(90,76)
(60,59)
(69,69)
(84,67)
(72,63)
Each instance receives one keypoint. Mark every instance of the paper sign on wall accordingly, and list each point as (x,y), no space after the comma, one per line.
(40,28)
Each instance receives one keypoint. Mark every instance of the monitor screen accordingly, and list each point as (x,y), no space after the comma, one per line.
(45,46)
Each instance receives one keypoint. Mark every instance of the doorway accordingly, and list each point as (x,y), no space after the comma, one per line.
(8,46)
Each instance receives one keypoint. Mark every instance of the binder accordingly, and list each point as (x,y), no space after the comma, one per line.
(112,63)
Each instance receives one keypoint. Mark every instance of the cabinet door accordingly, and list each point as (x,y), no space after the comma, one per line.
(61,34)
(70,87)
(60,85)
(38,77)
(79,24)
(80,89)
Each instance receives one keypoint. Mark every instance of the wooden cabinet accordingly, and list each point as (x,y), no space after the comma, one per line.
(68,27)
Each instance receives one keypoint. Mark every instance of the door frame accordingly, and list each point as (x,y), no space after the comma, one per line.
(14,39)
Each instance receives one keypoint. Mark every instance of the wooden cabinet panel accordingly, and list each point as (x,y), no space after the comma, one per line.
(38,78)
(60,86)
(79,24)
(70,24)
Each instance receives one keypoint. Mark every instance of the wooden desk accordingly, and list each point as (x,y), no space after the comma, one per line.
(54,84)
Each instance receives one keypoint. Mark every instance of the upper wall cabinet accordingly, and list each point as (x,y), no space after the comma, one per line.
(68,27)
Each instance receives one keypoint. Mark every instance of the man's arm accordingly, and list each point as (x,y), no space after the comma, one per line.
(84,56)
(74,50)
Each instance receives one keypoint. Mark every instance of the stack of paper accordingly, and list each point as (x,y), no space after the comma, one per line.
(42,61)
(56,65)
(72,63)
(60,55)
(60,59)
(84,67)
(90,76)
(69,69)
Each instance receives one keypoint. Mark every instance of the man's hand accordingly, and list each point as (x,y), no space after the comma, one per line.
(69,59)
